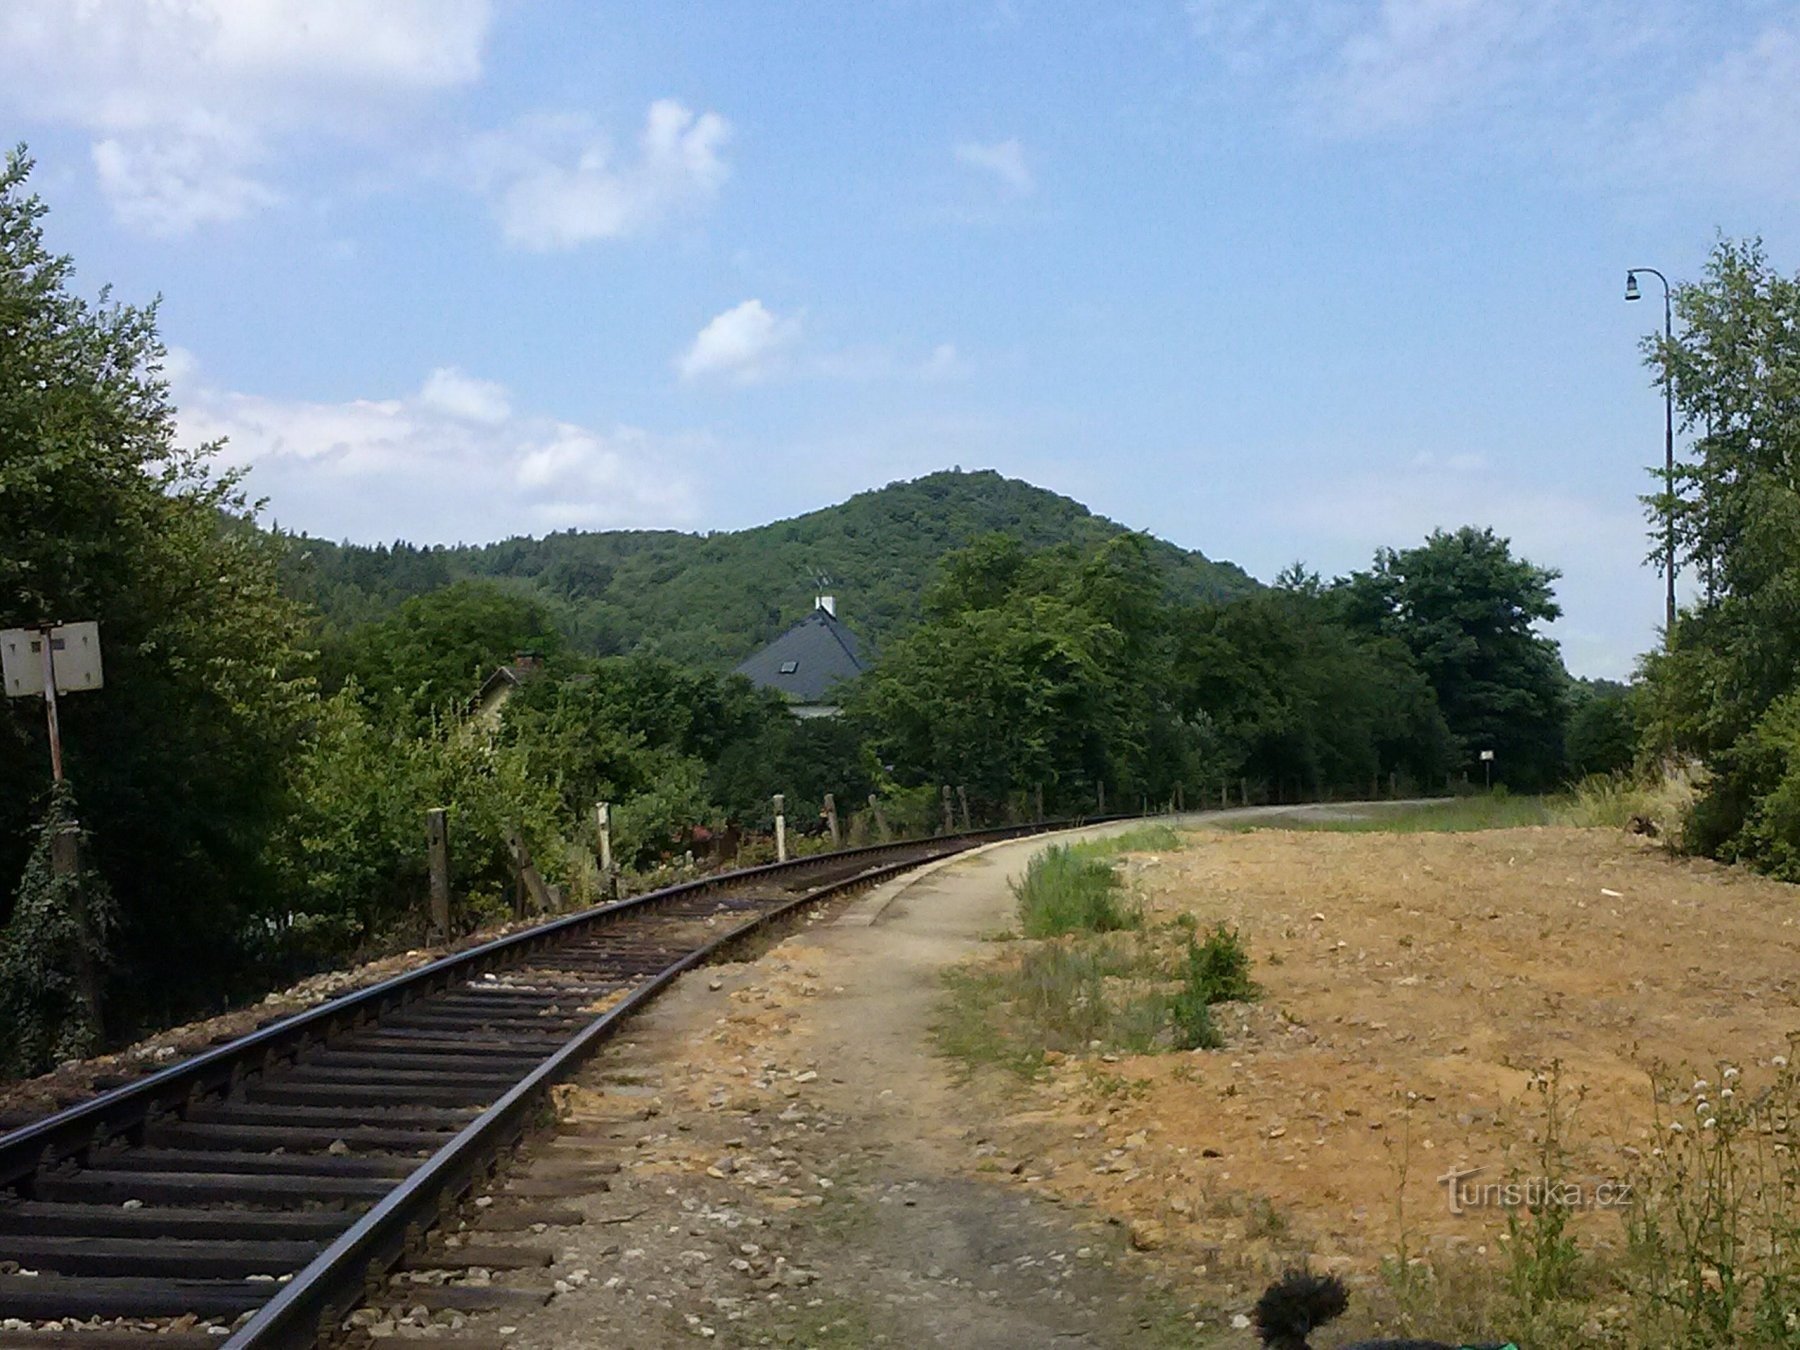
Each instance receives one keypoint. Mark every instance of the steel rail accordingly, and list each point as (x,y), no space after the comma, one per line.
(119,1111)
(335,1279)
(324,1291)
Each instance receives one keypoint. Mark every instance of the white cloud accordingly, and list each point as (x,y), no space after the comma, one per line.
(749,344)
(449,391)
(1547,71)
(169,186)
(184,97)
(556,183)
(745,344)
(1004,161)
(452,461)
(1739,123)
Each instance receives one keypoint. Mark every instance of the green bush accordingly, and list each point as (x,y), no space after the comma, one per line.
(1750,811)
(1065,891)
(53,952)
(1214,971)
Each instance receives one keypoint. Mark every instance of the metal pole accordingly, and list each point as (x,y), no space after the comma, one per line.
(1669,465)
(56,767)
(1631,293)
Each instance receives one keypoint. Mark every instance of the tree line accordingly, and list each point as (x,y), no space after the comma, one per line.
(253,778)
(1721,698)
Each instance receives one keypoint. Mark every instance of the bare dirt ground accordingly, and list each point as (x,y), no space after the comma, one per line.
(1419,991)
(801,1168)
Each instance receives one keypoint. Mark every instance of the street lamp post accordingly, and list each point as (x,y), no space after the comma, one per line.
(1632,293)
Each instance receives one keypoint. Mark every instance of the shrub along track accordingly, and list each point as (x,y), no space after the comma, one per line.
(282,1174)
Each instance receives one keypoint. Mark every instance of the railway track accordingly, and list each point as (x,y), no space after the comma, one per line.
(268,1185)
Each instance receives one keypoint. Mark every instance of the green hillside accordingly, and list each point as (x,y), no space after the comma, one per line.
(712,599)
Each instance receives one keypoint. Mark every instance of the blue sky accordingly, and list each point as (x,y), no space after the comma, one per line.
(1274,279)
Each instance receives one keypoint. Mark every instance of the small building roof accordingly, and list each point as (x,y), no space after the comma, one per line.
(807,660)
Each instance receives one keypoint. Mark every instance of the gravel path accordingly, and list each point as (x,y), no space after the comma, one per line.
(798,1168)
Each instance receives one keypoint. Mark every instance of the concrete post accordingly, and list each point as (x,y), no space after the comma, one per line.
(881,824)
(609,879)
(962,795)
(831,820)
(780,827)
(1102,810)
(1039,795)
(949,812)
(65,861)
(437,849)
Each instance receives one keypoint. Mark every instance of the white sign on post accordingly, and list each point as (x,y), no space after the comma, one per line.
(74,656)
(1487,754)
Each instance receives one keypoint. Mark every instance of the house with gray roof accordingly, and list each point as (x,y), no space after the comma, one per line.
(808,661)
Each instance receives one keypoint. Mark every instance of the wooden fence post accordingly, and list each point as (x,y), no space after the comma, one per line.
(780,827)
(949,812)
(1102,810)
(437,847)
(962,795)
(1038,794)
(530,883)
(880,817)
(831,820)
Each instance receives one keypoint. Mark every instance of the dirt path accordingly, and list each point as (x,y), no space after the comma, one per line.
(800,1169)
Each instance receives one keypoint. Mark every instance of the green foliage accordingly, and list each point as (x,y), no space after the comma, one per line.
(1064,891)
(53,951)
(179,759)
(711,600)
(1303,705)
(432,654)
(1725,689)
(1073,670)
(1216,970)
(1465,608)
(1603,731)
(350,857)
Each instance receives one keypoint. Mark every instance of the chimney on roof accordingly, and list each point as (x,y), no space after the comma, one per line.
(527,663)
(828,603)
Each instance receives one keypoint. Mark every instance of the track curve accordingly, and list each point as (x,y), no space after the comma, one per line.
(263,1185)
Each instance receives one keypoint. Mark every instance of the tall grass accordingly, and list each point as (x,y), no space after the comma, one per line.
(1068,891)
(1652,804)
(1492,811)
(1138,839)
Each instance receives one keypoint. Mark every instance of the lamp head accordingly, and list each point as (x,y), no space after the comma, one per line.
(1631,286)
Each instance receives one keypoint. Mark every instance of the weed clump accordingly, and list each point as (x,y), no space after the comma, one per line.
(1216,970)
(1068,891)
(1091,976)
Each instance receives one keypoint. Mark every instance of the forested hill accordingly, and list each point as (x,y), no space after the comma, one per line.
(712,599)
